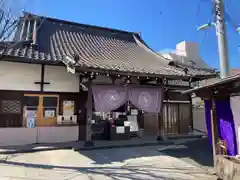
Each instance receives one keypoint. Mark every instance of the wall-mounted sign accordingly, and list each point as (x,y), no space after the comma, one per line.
(49,113)
(120,129)
(31,113)
(68,108)
(133,123)
(30,122)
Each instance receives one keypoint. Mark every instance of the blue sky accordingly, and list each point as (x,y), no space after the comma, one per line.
(162,23)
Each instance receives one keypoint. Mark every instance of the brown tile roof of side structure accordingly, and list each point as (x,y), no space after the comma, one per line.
(97,47)
(234,71)
(229,81)
(210,81)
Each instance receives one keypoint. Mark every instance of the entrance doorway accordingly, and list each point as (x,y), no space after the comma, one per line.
(44,107)
(177,118)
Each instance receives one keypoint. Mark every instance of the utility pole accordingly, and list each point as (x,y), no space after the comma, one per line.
(218,8)
(222,38)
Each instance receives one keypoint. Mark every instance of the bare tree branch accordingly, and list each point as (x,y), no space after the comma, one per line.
(10,10)
(9,13)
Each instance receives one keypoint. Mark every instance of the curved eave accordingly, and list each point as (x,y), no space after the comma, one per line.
(222,82)
(91,69)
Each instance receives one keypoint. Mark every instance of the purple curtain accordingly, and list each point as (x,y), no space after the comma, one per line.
(148,99)
(226,127)
(208,105)
(108,98)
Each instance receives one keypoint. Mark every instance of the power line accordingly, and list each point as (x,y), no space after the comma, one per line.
(229,17)
(210,20)
(198,8)
(231,22)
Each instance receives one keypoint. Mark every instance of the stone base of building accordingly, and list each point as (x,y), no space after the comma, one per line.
(227,168)
(22,136)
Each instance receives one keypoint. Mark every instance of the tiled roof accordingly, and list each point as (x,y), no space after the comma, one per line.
(210,81)
(234,71)
(98,48)
(229,83)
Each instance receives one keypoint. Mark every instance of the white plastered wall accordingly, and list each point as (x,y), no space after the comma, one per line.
(23,136)
(60,80)
(199,121)
(17,136)
(57,134)
(19,76)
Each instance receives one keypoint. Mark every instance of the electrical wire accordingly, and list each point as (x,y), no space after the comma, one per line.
(228,17)
(198,8)
(206,32)
(204,37)
(231,22)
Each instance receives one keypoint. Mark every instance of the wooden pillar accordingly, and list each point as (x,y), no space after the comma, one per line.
(89,107)
(214,128)
(167,106)
(42,79)
(191,110)
(161,134)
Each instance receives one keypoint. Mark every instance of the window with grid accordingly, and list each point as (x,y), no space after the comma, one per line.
(10,113)
(11,106)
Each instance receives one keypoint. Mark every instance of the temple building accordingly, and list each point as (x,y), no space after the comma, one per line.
(62,81)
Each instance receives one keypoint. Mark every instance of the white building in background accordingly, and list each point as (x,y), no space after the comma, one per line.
(186,53)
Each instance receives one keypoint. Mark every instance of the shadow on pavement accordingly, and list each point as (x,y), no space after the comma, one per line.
(139,172)
(198,150)
(102,157)
(36,147)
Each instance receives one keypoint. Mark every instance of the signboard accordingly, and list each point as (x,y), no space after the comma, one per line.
(30,122)
(31,118)
(68,108)
(31,113)
(120,129)
(133,123)
(49,113)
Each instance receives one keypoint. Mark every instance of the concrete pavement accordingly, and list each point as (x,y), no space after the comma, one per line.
(110,164)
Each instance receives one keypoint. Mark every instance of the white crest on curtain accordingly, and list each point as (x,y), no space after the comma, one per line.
(145,99)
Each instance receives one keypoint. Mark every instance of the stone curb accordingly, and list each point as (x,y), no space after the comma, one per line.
(124,145)
(84,148)
(185,137)
(32,150)
(167,142)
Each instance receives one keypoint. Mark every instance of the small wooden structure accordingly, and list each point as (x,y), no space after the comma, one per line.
(227,167)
